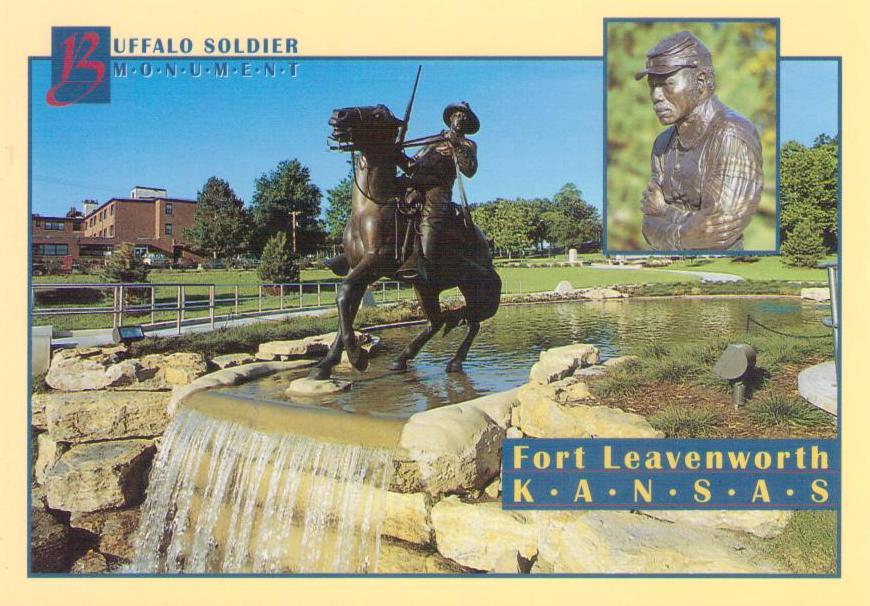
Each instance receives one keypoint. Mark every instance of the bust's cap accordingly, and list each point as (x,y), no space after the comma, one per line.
(674,53)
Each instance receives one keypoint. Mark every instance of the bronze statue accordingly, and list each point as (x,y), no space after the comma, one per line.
(450,250)
(706,167)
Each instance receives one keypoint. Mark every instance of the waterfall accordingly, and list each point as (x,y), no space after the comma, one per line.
(225,498)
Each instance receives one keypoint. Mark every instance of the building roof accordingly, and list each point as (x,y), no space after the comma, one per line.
(138,200)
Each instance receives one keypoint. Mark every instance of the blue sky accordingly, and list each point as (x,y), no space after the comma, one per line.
(541,124)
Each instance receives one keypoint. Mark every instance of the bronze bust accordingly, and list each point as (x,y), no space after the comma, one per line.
(707,176)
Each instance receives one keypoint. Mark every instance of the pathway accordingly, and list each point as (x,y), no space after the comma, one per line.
(705,276)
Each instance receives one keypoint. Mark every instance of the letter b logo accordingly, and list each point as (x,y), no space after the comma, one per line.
(79,65)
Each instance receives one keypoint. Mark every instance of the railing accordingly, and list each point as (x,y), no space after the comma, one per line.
(165,304)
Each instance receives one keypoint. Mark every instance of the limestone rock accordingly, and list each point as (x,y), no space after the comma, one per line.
(49,540)
(399,558)
(540,416)
(449,449)
(602,293)
(83,368)
(493,489)
(308,346)
(313,387)
(100,475)
(510,562)
(513,433)
(183,368)
(230,360)
(762,523)
(559,362)
(612,542)
(37,411)
(816,294)
(477,535)
(49,451)
(406,517)
(91,563)
(231,376)
(116,530)
(597,542)
(563,288)
(592,371)
(105,415)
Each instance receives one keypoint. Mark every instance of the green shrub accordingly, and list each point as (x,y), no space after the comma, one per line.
(777,410)
(678,421)
(804,246)
(277,263)
(124,266)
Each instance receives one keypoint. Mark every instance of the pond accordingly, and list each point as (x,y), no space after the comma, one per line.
(510,343)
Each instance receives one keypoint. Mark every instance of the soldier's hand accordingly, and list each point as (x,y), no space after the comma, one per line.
(653,200)
(709,230)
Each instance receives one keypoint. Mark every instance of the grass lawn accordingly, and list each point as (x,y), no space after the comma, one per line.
(765,268)
(540,279)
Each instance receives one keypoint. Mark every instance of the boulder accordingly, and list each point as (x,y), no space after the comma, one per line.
(816,294)
(92,562)
(314,387)
(306,347)
(477,535)
(49,540)
(406,517)
(83,368)
(590,542)
(563,288)
(48,453)
(454,448)
(116,530)
(400,558)
(541,416)
(100,475)
(105,415)
(93,368)
(37,411)
(602,293)
(511,562)
(559,362)
(765,524)
(230,360)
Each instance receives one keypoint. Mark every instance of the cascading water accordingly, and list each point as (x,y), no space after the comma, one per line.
(225,498)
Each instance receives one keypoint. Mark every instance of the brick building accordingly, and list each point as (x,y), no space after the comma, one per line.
(148,219)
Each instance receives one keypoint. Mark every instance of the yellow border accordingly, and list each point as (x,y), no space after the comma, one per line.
(445,27)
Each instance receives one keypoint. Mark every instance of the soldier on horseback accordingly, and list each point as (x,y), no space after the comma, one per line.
(430,176)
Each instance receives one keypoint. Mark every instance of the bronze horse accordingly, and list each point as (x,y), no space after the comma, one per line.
(374,238)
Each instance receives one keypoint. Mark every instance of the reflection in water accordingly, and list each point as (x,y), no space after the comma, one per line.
(509,344)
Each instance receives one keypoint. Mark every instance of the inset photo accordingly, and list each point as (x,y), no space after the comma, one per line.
(691,136)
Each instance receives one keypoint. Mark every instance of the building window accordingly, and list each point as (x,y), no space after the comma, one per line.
(168,208)
(167,229)
(111,231)
(53,250)
(112,209)
(77,226)
(54,225)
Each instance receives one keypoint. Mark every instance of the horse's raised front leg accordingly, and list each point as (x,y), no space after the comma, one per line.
(347,301)
(455,363)
(428,298)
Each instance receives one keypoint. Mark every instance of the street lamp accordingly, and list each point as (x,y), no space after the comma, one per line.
(293,214)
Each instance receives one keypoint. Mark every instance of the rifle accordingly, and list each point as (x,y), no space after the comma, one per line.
(403,130)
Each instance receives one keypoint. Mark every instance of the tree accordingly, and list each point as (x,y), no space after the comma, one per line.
(285,189)
(124,266)
(570,220)
(804,246)
(277,264)
(809,188)
(338,211)
(221,226)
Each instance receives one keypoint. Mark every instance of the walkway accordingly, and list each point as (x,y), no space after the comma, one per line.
(705,276)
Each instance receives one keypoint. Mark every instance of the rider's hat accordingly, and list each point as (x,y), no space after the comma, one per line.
(674,53)
(472,124)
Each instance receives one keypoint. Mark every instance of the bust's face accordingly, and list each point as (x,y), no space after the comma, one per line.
(458,120)
(675,95)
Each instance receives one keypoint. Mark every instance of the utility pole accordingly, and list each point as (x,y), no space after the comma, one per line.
(293,214)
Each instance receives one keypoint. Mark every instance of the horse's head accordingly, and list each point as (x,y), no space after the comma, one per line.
(372,125)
